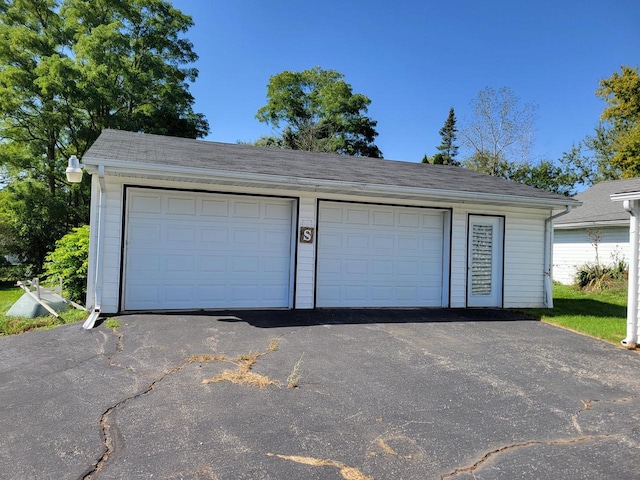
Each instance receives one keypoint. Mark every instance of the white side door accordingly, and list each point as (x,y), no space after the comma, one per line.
(485,261)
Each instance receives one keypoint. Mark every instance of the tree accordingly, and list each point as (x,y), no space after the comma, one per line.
(320,113)
(69,262)
(616,142)
(31,219)
(500,132)
(70,68)
(448,149)
(545,175)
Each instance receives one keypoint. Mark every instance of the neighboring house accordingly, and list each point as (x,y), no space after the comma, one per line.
(180,224)
(628,196)
(596,232)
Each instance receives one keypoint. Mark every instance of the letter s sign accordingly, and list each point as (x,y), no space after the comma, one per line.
(306,234)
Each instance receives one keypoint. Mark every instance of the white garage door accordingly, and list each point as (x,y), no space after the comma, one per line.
(189,250)
(379,256)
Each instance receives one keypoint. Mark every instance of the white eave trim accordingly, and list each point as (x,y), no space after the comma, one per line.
(266,180)
(620,197)
(596,223)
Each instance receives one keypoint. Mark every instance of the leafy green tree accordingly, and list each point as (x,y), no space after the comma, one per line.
(545,175)
(320,113)
(69,261)
(448,148)
(31,220)
(616,142)
(500,131)
(70,68)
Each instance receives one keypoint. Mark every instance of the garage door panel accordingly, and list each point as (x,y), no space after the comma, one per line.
(245,293)
(330,215)
(275,265)
(180,233)
(357,216)
(275,238)
(215,208)
(355,293)
(381,267)
(245,236)
(212,263)
(408,220)
(274,211)
(199,250)
(178,263)
(212,293)
(145,233)
(410,269)
(214,235)
(382,242)
(330,240)
(244,209)
(147,294)
(244,264)
(356,242)
(373,256)
(381,294)
(149,262)
(181,206)
(408,245)
(330,265)
(384,219)
(179,293)
(146,203)
(356,267)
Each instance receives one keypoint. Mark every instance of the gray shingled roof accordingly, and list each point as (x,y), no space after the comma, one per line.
(115,146)
(597,206)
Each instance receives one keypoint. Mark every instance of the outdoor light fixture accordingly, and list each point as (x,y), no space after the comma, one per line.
(74,170)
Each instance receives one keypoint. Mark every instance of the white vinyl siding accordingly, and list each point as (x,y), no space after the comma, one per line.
(524,241)
(573,248)
(524,259)
(189,250)
(379,256)
(523,255)
(306,257)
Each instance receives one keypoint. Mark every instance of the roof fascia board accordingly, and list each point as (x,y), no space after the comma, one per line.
(610,223)
(620,197)
(136,168)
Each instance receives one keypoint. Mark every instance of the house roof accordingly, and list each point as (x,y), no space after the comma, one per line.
(132,153)
(597,208)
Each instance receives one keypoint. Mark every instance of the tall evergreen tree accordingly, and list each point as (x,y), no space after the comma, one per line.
(448,149)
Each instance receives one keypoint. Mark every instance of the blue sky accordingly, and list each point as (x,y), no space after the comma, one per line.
(415,60)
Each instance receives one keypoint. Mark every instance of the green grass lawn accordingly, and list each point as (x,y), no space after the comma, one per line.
(9,293)
(598,314)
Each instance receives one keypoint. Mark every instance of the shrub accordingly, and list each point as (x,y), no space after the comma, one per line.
(69,262)
(595,276)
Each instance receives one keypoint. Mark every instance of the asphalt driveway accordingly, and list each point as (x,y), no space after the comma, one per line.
(382,394)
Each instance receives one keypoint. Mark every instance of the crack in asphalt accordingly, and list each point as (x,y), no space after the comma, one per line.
(487,456)
(574,417)
(587,405)
(109,439)
(119,347)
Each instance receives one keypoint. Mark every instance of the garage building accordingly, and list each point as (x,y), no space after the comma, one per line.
(181,224)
